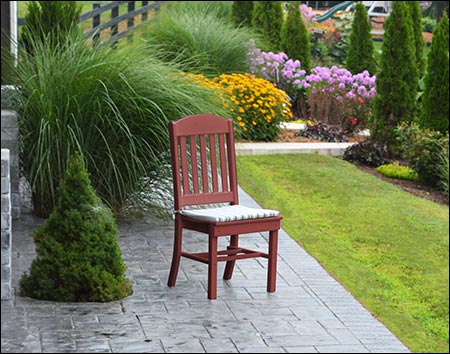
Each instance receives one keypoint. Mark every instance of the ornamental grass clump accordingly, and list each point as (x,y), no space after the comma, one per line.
(198,41)
(113,105)
(78,256)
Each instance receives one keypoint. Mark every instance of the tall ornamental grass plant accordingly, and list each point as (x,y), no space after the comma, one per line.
(110,105)
(199,41)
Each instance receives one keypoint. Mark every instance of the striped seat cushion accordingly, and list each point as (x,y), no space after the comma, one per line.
(229,213)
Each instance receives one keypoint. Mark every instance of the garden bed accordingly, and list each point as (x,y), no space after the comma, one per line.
(416,188)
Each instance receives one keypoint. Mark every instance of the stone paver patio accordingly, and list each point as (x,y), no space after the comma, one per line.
(310,311)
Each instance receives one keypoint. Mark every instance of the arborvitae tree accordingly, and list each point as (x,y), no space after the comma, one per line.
(49,21)
(397,81)
(78,256)
(416,16)
(241,12)
(360,54)
(435,114)
(295,37)
(267,18)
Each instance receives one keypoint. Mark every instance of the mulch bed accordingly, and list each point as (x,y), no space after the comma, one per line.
(415,188)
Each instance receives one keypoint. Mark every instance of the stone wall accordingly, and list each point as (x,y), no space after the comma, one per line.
(6,225)
(10,133)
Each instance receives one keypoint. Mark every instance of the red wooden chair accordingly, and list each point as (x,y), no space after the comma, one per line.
(204,173)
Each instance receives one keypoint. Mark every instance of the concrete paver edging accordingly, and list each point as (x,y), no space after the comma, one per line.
(330,149)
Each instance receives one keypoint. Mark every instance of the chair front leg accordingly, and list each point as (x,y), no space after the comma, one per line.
(228,273)
(272,267)
(212,267)
(177,248)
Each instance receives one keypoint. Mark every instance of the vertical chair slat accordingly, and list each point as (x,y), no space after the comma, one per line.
(223,163)
(213,155)
(184,165)
(193,146)
(232,162)
(204,163)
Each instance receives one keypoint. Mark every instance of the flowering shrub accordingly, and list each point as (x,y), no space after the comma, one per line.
(308,15)
(283,72)
(337,97)
(256,105)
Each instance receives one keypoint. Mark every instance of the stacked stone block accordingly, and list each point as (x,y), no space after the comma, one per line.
(9,136)
(6,225)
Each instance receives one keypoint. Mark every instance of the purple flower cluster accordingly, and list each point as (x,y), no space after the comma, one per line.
(339,98)
(308,16)
(341,80)
(283,72)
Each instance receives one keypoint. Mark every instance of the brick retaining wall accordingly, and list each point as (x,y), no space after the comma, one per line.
(9,134)
(6,225)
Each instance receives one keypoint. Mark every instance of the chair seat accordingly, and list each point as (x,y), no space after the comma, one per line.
(229,213)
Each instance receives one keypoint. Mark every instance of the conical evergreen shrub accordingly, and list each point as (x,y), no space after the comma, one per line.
(78,256)
(360,54)
(295,37)
(397,80)
(419,43)
(241,12)
(267,18)
(435,113)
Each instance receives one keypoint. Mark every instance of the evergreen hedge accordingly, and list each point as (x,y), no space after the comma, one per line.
(397,81)
(435,113)
(78,256)
(295,37)
(267,18)
(360,55)
(419,42)
(241,12)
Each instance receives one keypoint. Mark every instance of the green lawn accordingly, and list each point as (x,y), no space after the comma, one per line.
(389,248)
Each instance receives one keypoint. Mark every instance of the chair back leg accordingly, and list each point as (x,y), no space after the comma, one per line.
(272,267)
(228,273)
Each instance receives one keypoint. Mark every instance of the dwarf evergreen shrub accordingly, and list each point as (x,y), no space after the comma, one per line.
(394,170)
(360,55)
(78,257)
(435,113)
(397,81)
(295,38)
(241,12)
(267,18)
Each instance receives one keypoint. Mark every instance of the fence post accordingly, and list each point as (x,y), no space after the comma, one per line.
(144,14)
(96,23)
(130,21)
(114,28)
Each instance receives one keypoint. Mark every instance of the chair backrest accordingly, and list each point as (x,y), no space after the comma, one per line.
(203,160)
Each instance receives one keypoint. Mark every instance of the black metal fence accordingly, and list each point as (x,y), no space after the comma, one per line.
(135,9)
